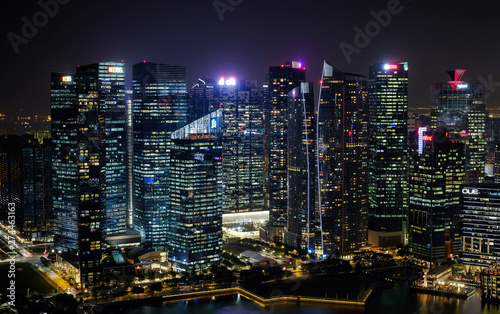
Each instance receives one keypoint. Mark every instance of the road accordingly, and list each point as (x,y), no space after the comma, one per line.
(23,255)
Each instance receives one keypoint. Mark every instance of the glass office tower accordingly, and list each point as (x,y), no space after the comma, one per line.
(196,200)
(388,148)
(342,161)
(437,169)
(300,228)
(242,106)
(282,79)
(480,212)
(203,98)
(90,177)
(160,106)
(65,125)
(106,81)
(460,107)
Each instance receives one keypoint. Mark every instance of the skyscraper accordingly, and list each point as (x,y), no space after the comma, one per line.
(282,79)
(437,169)
(300,228)
(203,97)
(388,148)
(342,161)
(65,125)
(89,134)
(196,203)
(459,107)
(242,106)
(26,181)
(480,211)
(160,106)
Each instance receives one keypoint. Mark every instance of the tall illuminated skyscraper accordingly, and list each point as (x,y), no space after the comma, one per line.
(342,161)
(65,124)
(160,106)
(282,79)
(90,162)
(300,230)
(196,200)
(388,149)
(437,170)
(460,107)
(242,106)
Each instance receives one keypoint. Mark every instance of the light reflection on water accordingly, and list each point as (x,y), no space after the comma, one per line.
(391,301)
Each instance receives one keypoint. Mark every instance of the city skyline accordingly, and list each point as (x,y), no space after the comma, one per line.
(248,56)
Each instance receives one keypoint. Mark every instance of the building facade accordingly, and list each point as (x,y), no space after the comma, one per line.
(300,230)
(282,79)
(437,170)
(159,107)
(480,212)
(460,108)
(196,194)
(242,104)
(388,148)
(342,161)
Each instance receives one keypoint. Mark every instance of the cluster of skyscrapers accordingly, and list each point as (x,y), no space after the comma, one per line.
(160,165)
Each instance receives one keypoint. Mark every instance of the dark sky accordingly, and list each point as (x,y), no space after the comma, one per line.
(433,36)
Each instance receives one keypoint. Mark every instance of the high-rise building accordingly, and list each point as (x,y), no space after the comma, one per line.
(282,79)
(196,199)
(437,169)
(342,161)
(459,107)
(90,149)
(65,125)
(388,148)
(242,106)
(160,107)
(203,97)
(300,230)
(26,181)
(480,212)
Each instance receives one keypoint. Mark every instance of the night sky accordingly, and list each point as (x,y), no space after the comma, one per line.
(433,36)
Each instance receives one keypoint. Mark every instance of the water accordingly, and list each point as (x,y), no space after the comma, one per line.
(390,301)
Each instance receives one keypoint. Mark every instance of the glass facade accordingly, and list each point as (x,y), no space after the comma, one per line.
(242,146)
(65,124)
(437,170)
(160,106)
(342,161)
(282,79)
(387,146)
(480,216)
(89,161)
(300,228)
(203,99)
(460,108)
(196,194)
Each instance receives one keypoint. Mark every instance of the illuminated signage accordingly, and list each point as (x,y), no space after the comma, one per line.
(213,123)
(67,79)
(470,191)
(115,69)
(390,67)
(427,138)
(462,85)
(230,81)
(421,131)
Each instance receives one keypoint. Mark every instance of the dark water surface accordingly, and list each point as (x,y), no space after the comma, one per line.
(389,301)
